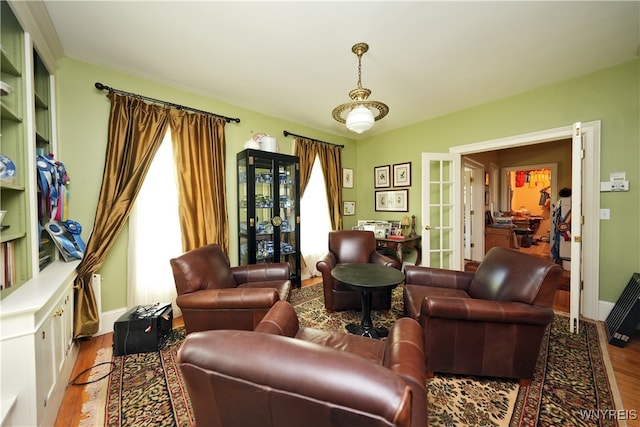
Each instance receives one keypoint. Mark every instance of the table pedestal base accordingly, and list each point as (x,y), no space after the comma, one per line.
(366,328)
(371,332)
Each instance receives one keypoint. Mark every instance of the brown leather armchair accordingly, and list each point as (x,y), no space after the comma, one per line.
(213,295)
(345,247)
(286,376)
(489,322)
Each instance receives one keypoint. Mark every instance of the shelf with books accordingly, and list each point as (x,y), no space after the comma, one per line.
(14,197)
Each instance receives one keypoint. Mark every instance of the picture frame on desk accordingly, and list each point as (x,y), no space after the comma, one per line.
(392,201)
(381,176)
(402,174)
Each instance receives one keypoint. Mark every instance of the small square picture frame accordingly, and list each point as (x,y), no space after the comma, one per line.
(402,174)
(347,178)
(381,176)
(349,208)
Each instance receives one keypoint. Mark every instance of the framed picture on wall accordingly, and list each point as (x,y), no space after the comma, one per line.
(347,178)
(402,175)
(349,208)
(381,178)
(392,201)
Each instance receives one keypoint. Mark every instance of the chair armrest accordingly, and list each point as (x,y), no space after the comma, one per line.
(404,351)
(378,258)
(326,263)
(260,272)
(281,319)
(485,311)
(229,298)
(301,370)
(437,277)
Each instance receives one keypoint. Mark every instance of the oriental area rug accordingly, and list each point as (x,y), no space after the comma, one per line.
(573,384)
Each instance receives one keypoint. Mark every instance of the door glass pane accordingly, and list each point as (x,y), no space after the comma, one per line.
(264,177)
(287,206)
(243,212)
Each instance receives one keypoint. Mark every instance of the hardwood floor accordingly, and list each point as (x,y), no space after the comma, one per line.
(625,362)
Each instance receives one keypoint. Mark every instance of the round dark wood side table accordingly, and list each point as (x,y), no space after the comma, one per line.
(367,278)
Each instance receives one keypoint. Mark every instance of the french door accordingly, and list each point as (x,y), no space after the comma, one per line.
(442,181)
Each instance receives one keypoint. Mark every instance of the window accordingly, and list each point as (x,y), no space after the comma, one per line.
(316,224)
(154,233)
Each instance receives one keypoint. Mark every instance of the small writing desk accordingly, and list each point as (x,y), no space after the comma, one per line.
(399,246)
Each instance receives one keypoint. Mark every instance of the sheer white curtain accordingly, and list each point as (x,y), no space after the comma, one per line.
(154,234)
(316,224)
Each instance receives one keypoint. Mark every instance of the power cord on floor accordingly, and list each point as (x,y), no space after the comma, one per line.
(74,380)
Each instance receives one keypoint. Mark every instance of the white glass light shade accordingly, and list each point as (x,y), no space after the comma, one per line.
(360,119)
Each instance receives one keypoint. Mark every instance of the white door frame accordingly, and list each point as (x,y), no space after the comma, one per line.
(474,216)
(590,197)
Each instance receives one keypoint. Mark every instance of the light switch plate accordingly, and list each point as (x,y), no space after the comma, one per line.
(605,214)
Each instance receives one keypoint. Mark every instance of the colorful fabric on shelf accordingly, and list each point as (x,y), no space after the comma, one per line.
(53,192)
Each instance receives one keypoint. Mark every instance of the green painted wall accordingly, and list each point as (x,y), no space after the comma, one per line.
(83,114)
(610,96)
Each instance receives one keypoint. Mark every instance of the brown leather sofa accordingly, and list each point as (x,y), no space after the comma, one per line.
(286,376)
(345,247)
(489,322)
(213,295)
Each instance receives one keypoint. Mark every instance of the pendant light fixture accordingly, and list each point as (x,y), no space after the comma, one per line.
(360,117)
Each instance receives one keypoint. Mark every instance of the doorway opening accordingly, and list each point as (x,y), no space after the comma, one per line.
(529,198)
(585,177)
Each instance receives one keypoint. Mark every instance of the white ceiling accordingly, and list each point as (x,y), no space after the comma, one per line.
(293,60)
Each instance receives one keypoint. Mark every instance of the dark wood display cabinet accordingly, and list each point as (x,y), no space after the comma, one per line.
(269,209)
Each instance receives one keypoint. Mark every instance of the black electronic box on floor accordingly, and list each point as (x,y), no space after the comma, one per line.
(142,329)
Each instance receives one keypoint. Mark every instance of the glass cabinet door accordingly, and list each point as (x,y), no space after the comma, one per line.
(268,212)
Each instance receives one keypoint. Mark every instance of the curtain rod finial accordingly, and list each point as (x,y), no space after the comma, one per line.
(100,86)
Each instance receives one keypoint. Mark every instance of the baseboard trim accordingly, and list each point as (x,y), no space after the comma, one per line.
(107,319)
(604,308)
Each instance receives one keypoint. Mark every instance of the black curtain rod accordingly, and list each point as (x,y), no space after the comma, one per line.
(100,86)
(287,133)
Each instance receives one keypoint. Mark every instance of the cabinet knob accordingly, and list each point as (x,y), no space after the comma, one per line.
(58,312)
(427,227)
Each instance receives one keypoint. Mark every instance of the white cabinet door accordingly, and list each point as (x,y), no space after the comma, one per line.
(45,366)
(53,341)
